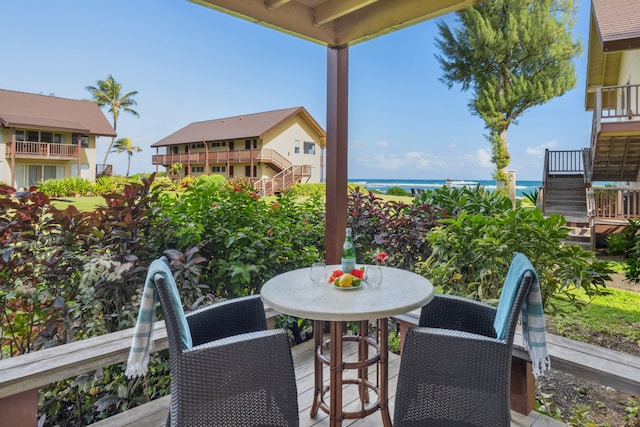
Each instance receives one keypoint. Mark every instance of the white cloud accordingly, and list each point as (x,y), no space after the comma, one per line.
(382,144)
(482,158)
(411,160)
(452,146)
(539,150)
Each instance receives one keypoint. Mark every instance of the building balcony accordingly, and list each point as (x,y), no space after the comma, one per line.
(43,150)
(615,136)
(268,156)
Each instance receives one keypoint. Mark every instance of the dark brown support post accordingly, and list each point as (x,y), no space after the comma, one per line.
(13,157)
(206,157)
(20,410)
(79,155)
(337,148)
(523,386)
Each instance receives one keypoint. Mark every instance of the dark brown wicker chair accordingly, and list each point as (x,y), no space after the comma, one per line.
(454,371)
(237,373)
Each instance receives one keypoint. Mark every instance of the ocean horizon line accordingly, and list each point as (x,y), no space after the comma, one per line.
(382,185)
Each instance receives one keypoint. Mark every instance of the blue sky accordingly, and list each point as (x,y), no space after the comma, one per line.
(189,63)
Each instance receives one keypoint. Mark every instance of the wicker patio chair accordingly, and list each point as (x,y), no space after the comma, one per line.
(454,371)
(237,373)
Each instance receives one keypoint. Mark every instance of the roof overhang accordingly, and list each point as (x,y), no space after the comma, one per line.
(336,23)
(607,43)
(43,123)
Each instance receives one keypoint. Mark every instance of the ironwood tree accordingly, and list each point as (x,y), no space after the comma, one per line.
(512,55)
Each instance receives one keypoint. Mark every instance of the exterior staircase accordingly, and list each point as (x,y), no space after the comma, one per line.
(565,195)
(283,180)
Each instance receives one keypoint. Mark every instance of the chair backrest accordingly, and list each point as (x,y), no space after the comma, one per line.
(517,284)
(170,316)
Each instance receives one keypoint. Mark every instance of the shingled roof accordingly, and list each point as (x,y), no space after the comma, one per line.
(28,110)
(255,125)
(618,23)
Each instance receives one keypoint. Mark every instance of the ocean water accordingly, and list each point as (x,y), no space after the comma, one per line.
(382,185)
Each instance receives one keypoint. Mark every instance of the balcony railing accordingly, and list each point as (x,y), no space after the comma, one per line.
(616,203)
(615,107)
(223,157)
(104,170)
(29,149)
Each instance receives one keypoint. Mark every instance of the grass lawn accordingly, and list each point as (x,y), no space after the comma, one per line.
(81,203)
(618,312)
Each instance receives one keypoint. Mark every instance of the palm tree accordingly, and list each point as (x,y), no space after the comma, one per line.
(123,145)
(107,92)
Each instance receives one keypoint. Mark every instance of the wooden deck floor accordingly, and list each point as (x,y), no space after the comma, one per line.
(155,413)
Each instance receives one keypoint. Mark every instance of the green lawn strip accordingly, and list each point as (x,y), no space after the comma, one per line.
(84,204)
(615,313)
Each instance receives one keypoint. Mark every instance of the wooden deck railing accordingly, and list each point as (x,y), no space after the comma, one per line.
(104,170)
(223,157)
(614,104)
(564,162)
(616,203)
(22,376)
(31,149)
(617,103)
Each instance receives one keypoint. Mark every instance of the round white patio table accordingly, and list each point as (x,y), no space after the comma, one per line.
(401,291)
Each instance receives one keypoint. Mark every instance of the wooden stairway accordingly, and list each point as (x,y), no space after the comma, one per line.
(565,195)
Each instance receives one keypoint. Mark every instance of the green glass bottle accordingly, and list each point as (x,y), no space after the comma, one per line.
(348,253)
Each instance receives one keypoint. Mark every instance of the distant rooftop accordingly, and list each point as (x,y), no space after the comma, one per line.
(255,125)
(29,110)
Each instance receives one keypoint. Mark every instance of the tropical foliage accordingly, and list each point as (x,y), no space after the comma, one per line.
(67,275)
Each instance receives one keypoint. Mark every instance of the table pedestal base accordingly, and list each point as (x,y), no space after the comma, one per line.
(337,366)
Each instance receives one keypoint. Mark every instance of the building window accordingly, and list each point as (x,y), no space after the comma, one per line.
(46,137)
(309,148)
(218,169)
(296,150)
(83,138)
(197,169)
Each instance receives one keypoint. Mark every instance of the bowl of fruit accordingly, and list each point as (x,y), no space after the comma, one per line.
(347,280)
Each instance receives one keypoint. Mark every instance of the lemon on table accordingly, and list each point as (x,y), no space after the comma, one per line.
(345,280)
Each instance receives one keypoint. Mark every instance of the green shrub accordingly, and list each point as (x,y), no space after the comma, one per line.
(66,187)
(472,200)
(307,190)
(471,255)
(623,243)
(532,196)
(397,191)
(246,239)
(397,228)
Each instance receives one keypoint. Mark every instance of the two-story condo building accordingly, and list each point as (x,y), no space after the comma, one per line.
(43,137)
(274,149)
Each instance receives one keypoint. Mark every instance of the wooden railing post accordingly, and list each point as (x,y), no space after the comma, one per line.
(20,410)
